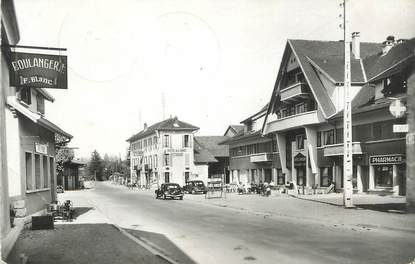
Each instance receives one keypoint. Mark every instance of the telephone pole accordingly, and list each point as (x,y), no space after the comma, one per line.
(410,143)
(347,117)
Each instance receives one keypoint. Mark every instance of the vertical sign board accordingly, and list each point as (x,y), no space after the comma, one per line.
(347,117)
(38,70)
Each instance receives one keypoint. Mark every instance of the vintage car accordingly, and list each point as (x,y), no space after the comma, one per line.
(194,187)
(169,190)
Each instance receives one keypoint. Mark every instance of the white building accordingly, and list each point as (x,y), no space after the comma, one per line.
(163,153)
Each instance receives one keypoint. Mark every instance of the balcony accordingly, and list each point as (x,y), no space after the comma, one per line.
(294,121)
(337,149)
(295,92)
(263,157)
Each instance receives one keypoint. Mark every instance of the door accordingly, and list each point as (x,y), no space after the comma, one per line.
(301,172)
(268,175)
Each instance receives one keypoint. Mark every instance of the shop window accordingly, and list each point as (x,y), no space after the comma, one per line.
(29,182)
(45,172)
(300,176)
(354,177)
(326,176)
(280,177)
(166,177)
(299,141)
(186,176)
(383,176)
(329,137)
(26,95)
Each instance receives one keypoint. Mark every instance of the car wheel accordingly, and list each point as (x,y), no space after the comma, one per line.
(181,198)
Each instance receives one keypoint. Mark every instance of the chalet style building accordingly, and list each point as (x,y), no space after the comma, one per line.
(252,156)
(304,115)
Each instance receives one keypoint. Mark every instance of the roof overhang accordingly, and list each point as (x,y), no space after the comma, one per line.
(46,94)
(37,118)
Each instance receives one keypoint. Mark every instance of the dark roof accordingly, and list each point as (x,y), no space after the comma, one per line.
(377,64)
(211,143)
(328,55)
(52,127)
(235,128)
(243,136)
(201,154)
(171,124)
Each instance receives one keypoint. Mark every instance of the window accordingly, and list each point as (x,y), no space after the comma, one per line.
(28,159)
(145,144)
(155,142)
(329,137)
(37,172)
(45,172)
(186,141)
(318,138)
(166,159)
(300,108)
(274,146)
(383,176)
(166,177)
(299,141)
(150,143)
(284,112)
(166,141)
(150,162)
(155,161)
(40,102)
(326,176)
(186,176)
(26,95)
(280,177)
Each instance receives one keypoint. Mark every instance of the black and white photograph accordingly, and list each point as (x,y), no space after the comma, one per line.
(207,131)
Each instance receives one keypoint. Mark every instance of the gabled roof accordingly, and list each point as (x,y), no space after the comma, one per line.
(377,64)
(171,124)
(243,137)
(211,143)
(201,154)
(235,128)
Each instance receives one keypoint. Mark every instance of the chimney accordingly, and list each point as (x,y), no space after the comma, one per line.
(356,45)
(389,43)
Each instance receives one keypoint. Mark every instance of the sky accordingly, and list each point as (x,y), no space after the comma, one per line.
(213,62)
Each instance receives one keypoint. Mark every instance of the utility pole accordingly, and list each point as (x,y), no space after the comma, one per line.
(410,143)
(347,117)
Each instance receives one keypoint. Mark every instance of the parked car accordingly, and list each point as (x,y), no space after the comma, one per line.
(59,189)
(169,190)
(194,187)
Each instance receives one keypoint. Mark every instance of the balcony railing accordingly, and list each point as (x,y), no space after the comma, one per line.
(337,149)
(294,121)
(297,91)
(263,157)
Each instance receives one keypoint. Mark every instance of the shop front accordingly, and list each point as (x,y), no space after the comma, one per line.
(387,173)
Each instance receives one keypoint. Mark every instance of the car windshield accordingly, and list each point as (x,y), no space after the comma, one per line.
(198,184)
(172,187)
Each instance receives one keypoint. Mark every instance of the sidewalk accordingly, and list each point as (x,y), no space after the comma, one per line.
(319,209)
(90,238)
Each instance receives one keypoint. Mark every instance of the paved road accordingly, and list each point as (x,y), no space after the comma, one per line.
(210,234)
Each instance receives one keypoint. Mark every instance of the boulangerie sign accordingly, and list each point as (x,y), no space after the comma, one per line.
(38,70)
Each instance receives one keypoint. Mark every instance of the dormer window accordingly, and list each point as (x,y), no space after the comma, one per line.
(26,96)
(393,85)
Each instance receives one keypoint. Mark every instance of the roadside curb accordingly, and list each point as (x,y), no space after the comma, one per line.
(154,249)
(307,219)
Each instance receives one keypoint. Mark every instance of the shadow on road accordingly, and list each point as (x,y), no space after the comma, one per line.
(78,211)
(161,243)
(390,207)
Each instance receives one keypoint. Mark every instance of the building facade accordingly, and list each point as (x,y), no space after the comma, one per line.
(163,153)
(305,114)
(253,157)
(72,175)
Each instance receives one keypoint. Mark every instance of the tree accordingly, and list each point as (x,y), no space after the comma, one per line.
(63,155)
(96,166)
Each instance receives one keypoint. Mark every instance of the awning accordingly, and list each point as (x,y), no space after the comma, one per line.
(36,118)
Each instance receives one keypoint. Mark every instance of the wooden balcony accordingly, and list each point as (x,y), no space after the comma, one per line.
(337,149)
(263,157)
(295,92)
(294,121)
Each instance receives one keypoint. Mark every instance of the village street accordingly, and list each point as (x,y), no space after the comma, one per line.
(218,234)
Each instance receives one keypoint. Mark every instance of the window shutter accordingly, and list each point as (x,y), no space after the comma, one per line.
(183,141)
(190,141)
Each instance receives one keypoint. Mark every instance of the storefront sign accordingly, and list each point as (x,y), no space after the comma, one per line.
(386,159)
(41,148)
(175,150)
(299,160)
(38,70)
(397,128)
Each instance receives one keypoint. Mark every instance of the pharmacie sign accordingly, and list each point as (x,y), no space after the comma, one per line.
(387,159)
(41,148)
(38,70)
